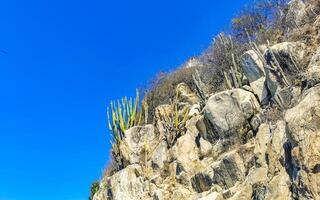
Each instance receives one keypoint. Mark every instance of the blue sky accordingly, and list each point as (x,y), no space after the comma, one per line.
(62,61)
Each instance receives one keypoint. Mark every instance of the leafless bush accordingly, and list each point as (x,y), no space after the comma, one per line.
(262,22)
(162,88)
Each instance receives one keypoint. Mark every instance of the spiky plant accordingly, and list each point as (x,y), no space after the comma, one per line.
(124,115)
(232,73)
(201,89)
(174,124)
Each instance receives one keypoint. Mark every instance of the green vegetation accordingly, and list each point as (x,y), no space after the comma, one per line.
(93,189)
(124,115)
(174,123)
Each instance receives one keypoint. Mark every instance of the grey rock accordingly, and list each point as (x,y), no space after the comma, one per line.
(252,65)
(132,147)
(201,182)
(229,171)
(259,88)
(229,111)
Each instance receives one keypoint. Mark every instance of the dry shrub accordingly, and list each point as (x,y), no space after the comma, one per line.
(264,21)
(261,21)
(162,88)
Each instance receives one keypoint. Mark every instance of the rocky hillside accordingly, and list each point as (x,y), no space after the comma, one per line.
(260,140)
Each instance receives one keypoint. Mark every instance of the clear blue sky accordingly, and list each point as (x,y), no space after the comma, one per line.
(62,61)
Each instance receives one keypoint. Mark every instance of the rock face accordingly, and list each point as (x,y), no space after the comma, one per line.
(229,152)
(313,72)
(259,142)
(304,129)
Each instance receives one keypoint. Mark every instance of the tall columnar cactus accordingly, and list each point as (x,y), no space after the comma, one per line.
(232,72)
(124,115)
(201,89)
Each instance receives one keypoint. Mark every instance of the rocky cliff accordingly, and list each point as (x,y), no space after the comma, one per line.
(259,141)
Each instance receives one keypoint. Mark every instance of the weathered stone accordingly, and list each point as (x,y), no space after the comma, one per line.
(307,185)
(312,76)
(262,139)
(288,97)
(126,184)
(194,110)
(271,82)
(286,57)
(212,196)
(257,176)
(206,130)
(158,195)
(228,171)
(255,122)
(185,152)
(315,60)
(136,140)
(201,182)
(159,155)
(252,66)
(259,88)
(229,112)
(279,187)
(276,151)
(180,193)
(258,192)
(205,147)
(296,13)
(185,94)
(313,71)
(304,128)
(242,193)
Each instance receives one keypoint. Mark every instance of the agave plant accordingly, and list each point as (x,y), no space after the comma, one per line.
(124,115)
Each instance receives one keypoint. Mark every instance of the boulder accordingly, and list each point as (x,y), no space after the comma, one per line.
(160,155)
(138,141)
(242,193)
(259,88)
(257,176)
(252,65)
(229,170)
(186,95)
(205,148)
(185,152)
(126,184)
(304,130)
(180,193)
(296,13)
(289,57)
(229,111)
(288,97)
(279,187)
(276,153)
(201,182)
(261,140)
(194,110)
(313,71)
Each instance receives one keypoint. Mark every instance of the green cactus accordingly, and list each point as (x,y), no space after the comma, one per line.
(124,115)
